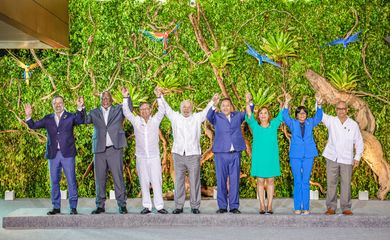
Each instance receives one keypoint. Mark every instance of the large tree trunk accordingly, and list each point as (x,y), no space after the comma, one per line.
(363,115)
(373,153)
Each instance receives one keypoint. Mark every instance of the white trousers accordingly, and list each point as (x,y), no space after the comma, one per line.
(149,172)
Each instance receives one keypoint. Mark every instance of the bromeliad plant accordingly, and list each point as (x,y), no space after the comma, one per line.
(169,85)
(343,81)
(262,97)
(221,58)
(136,95)
(279,47)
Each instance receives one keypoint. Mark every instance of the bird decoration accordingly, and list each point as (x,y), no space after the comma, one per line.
(344,41)
(260,58)
(27,68)
(160,36)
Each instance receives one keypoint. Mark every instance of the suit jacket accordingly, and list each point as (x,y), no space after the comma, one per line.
(114,127)
(62,135)
(302,147)
(227,132)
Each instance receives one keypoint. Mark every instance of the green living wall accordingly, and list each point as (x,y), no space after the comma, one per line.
(108,51)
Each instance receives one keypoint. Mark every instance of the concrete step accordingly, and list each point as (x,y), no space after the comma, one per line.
(28,218)
(31,214)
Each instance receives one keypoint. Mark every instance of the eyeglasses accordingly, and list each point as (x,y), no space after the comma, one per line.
(341,109)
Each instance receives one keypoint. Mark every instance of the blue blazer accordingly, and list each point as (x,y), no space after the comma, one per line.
(63,134)
(227,133)
(302,147)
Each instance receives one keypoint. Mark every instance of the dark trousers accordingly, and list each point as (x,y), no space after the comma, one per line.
(55,166)
(111,159)
(228,165)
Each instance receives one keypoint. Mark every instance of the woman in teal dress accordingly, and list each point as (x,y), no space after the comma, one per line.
(265,153)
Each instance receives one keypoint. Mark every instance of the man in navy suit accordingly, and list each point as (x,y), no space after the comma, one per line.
(60,148)
(227,147)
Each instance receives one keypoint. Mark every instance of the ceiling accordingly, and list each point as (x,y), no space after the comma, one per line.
(38,24)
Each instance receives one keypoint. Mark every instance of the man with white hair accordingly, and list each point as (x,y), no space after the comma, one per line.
(344,135)
(186,151)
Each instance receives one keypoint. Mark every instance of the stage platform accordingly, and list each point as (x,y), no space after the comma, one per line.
(31,214)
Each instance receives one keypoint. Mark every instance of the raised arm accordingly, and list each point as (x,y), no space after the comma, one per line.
(318,116)
(286,117)
(168,110)
(211,115)
(213,102)
(80,114)
(278,120)
(30,123)
(127,110)
(249,105)
(161,108)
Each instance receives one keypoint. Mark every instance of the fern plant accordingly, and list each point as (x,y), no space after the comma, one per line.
(262,97)
(221,58)
(279,47)
(343,81)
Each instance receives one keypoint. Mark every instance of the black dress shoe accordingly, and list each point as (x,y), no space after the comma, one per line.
(123,210)
(222,210)
(145,211)
(235,211)
(162,211)
(54,211)
(195,211)
(73,211)
(177,211)
(270,212)
(98,210)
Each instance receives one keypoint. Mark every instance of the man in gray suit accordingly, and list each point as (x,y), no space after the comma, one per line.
(108,143)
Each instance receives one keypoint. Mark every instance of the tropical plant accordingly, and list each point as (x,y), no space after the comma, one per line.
(262,97)
(279,47)
(343,81)
(169,84)
(136,95)
(221,58)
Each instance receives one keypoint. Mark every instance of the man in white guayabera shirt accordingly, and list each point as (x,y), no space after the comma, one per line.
(344,135)
(186,151)
(147,151)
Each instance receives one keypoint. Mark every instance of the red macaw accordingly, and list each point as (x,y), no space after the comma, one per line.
(160,36)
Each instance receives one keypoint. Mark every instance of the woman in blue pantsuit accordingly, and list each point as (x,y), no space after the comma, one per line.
(302,152)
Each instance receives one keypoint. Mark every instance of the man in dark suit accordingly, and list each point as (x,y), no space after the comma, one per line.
(227,147)
(60,148)
(108,142)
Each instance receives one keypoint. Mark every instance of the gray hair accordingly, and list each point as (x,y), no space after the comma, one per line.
(346,104)
(184,102)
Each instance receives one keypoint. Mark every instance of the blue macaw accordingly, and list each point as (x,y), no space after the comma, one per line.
(260,58)
(160,36)
(345,41)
